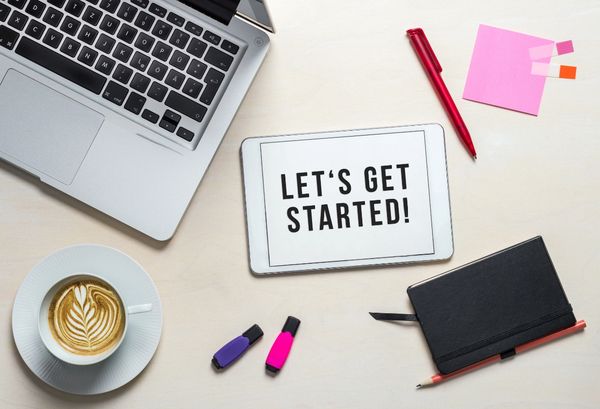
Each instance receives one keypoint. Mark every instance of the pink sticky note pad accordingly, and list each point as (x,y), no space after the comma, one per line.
(500,71)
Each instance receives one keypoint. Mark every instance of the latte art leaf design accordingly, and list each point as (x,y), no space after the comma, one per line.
(86,317)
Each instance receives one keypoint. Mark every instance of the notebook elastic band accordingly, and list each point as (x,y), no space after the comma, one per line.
(386,316)
(506,334)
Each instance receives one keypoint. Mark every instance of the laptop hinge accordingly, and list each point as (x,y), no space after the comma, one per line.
(221,10)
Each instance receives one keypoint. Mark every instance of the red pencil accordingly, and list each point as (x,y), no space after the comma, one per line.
(433,69)
(579,325)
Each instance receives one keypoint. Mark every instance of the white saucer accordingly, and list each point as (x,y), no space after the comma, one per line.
(143,333)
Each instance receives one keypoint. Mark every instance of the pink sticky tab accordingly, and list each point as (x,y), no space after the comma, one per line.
(541,52)
(540,68)
(564,47)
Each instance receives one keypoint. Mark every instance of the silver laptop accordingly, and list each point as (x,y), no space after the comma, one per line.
(122,104)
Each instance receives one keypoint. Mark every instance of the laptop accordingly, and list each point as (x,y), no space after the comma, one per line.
(122,104)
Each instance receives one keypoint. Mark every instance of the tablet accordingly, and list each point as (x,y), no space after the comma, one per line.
(347,199)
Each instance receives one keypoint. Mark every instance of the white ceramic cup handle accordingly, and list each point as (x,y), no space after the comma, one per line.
(137,309)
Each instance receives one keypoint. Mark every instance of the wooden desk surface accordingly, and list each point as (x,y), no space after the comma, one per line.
(338,65)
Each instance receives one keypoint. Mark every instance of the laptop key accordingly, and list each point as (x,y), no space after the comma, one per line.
(60,65)
(105,43)
(8,37)
(17,3)
(123,74)
(162,30)
(87,56)
(175,79)
(110,5)
(218,58)
(197,47)
(109,24)
(135,103)
(157,91)
(70,26)
(157,70)
(115,93)
(105,65)
(150,116)
(185,106)
(4,11)
(57,3)
(167,125)
(192,88)
(172,116)
(70,47)
(193,28)
(53,38)
(170,120)
(162,51)
(140,83)
(179,38)
(127,12)
(75,7)
(213,80)
(175,19)
(211,37)
(142,3)
(196,69)
(127,33)
(140,61)
(230,47)
(35,8)
(158,10)
(92,16)
(88,34)
(144,21)
(18,20)
(35,29)
(53,17)
(179,60)
(122,52)
(185,134)
(144,42)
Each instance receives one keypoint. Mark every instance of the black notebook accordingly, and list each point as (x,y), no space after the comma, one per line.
(491,305)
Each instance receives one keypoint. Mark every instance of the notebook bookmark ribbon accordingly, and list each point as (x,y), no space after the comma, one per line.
(386,316)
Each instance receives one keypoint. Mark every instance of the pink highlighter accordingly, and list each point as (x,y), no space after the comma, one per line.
(282,345)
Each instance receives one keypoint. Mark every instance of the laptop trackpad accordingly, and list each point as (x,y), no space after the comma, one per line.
(44,129)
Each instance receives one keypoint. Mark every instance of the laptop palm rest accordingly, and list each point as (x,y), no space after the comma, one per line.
(43,129)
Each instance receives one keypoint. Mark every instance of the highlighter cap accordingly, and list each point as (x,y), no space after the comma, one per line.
(253,334)
(291,325)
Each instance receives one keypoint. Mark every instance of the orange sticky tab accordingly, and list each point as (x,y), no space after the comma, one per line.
(568,72)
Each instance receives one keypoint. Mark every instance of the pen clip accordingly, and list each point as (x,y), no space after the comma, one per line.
(418,32)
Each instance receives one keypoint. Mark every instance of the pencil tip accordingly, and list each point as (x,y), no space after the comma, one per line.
(419,386)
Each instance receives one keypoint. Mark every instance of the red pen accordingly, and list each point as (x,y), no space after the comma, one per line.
(580,325)
(433,69)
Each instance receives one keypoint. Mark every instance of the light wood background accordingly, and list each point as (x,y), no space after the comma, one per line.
(338,65)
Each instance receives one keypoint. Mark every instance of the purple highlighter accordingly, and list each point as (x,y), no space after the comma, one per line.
(236,347)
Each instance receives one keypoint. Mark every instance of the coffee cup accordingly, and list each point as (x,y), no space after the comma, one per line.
(83,319)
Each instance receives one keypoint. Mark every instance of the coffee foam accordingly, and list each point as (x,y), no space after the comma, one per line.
(86,317)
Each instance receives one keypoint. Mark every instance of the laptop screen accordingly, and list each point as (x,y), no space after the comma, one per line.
(254,11)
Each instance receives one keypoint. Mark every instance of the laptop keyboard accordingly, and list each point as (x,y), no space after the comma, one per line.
(166,72)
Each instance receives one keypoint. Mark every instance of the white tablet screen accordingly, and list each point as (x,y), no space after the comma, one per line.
(347,198)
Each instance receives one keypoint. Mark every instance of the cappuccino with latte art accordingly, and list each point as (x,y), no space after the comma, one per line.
(86,316)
